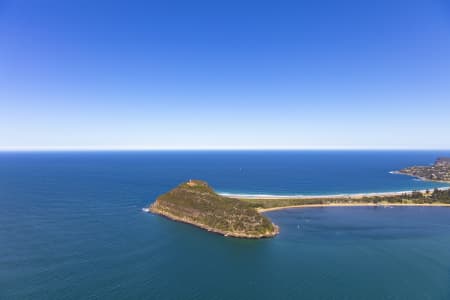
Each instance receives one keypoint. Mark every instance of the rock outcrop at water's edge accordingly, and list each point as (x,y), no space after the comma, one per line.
(196,203)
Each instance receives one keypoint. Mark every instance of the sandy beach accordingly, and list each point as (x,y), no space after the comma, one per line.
(335,196)
(355,204)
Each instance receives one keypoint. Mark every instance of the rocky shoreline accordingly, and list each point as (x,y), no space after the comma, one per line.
(438,172)
(154,209)
(401,172)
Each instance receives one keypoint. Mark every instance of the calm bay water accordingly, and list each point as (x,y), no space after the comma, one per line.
(71,227)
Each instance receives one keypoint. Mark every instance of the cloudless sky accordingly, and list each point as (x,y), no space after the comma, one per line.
(225,74)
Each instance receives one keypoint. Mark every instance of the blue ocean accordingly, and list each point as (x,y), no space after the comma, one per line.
(72,227)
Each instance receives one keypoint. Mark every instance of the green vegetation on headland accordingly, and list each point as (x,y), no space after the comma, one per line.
(194,202)
(440,171)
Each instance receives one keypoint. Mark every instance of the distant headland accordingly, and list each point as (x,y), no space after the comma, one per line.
(439,171)
(196,203)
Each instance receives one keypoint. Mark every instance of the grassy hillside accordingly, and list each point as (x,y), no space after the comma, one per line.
(196,203)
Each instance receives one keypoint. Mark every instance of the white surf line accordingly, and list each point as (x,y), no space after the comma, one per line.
(301,196)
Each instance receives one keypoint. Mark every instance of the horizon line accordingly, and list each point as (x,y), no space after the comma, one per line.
(150,149)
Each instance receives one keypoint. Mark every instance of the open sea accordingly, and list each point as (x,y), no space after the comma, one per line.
(72,227)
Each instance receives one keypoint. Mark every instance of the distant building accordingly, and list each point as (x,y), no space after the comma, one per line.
(443,161)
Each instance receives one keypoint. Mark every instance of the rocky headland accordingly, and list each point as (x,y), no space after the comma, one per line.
(196,203)
(439,171)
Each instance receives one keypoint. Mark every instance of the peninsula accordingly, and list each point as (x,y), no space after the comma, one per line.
(439,171)
(196,203)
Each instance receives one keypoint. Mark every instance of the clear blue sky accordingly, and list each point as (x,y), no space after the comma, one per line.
(224,74)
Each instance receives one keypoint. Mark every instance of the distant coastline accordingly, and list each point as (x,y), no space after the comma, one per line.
(421,198)
(438,172)
(333,196)
(355,204)
(420,177)
(338,200)
(340,196)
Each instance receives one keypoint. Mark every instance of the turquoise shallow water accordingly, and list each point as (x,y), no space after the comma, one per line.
(71,227)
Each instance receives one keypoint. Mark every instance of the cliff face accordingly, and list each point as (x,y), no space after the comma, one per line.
(440,171)
(196,203)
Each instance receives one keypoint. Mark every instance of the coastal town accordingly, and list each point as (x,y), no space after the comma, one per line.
(439,171)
